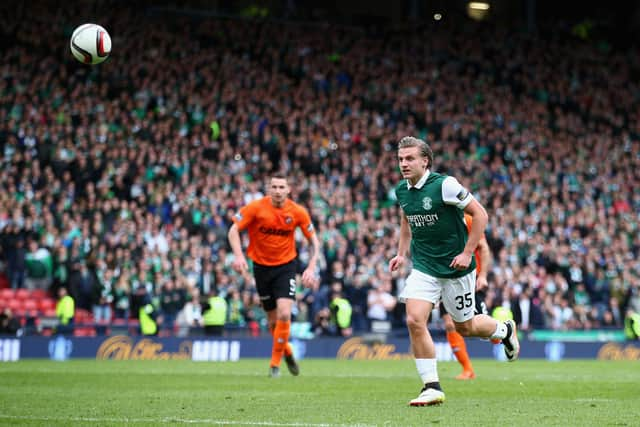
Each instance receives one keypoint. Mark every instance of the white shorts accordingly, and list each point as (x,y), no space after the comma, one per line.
(457,294)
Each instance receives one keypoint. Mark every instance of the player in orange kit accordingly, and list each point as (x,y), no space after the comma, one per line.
(456,341)
(271,222)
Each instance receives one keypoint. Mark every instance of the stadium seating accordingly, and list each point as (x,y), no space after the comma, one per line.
(522,142)
(7,294)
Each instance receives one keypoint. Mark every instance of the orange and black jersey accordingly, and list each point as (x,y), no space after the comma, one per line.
(271,230)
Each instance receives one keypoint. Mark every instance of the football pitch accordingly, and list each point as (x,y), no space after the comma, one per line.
(327,393)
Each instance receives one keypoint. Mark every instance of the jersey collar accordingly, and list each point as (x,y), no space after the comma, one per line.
(420,182)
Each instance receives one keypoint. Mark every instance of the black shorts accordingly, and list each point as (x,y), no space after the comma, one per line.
(481,307)
(275,282)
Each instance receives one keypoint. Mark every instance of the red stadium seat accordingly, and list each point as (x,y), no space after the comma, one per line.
(7,294)
(46,304)
(14,305)
(83,316)
(49,313)
(39,294)
(23,294)
(30,305)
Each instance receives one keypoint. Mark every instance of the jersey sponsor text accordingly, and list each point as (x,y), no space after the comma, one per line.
(422,220)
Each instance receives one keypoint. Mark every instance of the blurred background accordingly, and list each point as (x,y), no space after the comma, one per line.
(119,181)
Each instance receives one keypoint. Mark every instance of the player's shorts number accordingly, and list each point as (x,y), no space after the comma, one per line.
(464,301)
(292,287)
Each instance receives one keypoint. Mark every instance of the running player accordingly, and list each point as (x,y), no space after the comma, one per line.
(432,229)
(271,222)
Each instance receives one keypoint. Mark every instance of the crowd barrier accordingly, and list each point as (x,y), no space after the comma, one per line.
(123,347)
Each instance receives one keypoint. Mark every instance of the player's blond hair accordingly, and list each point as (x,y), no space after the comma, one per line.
(425,150)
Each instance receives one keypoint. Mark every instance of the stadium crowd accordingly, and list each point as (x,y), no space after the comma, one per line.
(122,178)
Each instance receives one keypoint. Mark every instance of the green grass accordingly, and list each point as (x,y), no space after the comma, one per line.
(327,393)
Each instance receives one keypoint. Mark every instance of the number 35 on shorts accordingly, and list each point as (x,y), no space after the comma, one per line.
(464,301)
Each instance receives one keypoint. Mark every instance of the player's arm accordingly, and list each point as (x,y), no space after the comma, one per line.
(486,261)
(241,220)
(453,193)
(239,263)
(403,244)
(309,274)
(307,228)
(480,219)
(314,248)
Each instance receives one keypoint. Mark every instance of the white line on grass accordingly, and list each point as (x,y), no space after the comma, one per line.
(172,420)
(235,374)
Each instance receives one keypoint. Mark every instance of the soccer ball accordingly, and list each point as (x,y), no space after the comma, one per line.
(90,44)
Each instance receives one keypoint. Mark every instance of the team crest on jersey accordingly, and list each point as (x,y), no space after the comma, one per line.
(238,216)
(288,220)
(426,203)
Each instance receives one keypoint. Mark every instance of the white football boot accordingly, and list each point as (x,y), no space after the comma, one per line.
(428,397)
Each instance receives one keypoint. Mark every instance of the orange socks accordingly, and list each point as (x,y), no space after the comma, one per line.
(280,342)
(288,350)
(456,341)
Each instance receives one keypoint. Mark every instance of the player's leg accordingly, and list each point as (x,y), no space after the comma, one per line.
(481,308)
(264,285)
(272,317)
(281,331)
(420,294)
(284,288)
(417,315)
(484,326)
(459,300)
(458,346)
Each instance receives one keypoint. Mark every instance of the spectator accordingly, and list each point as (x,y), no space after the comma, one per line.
(9,324)
(315,298)
(147,312)
(65,312)
(632,325)
(191,315)
(106,164)
(214,314)
(171,303)
(340,314)
(322,323)
(38,267)
(16,260)
(258,316)
(380,301)
(562,315)
(358,295)
(121,298)
(84,286)
(236,308)
(103,298)
(527,311)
